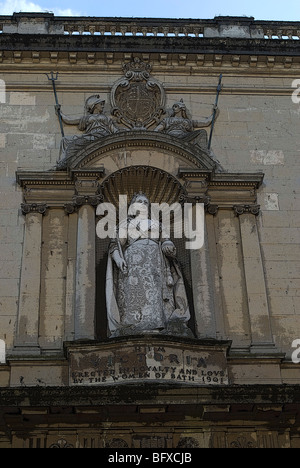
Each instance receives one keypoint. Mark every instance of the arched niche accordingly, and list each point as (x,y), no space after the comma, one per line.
(160,187)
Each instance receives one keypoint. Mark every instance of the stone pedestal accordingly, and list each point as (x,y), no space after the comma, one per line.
(148,359)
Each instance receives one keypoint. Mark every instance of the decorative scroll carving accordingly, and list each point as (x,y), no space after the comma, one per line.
(116,443)
(241,209)
(188,442)
(212,209)
(80,200)
(242,442)
(138,104)
(40,208)
(61,444)
(138,99)
(197,199)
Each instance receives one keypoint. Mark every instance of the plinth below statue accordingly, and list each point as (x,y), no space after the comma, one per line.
(145,289)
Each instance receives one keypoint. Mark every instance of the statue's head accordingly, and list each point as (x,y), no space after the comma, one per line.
(92,102)
(139,204)
(179,108)
(140,197)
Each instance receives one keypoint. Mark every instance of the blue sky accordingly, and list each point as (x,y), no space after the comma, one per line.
(260,9)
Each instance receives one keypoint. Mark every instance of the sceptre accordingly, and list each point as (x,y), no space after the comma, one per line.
(219,88)
(53,78)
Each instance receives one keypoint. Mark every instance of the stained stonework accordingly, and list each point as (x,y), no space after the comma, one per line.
(149,360)
(154,95)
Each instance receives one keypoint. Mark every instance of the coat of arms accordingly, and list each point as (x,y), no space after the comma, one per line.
(138,100)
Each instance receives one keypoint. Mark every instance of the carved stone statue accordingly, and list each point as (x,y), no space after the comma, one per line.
(179,125)
(94,123)
(145,290)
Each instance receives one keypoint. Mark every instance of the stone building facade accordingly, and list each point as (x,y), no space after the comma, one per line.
(64,382)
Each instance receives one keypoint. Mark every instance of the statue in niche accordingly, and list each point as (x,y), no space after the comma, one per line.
(145,291)
(94,123)
(179,125)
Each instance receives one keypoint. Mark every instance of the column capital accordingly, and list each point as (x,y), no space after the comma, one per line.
(212,209)
(81,200)
(195,199)
(40,208)
(244,209)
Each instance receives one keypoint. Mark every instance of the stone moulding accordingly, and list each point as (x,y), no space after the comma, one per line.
(199,175)
(141,139)
(219,26)
(265,395)
(43,191)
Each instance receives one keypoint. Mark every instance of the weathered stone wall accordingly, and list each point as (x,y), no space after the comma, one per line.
(257,130)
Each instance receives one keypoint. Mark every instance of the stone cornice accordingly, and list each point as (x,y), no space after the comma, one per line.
(233,41)
(219,26)
(175,88)
(167,45)
(217,191)
(163,51)
(85,175)
(56,178)
(149,394)
(222,180)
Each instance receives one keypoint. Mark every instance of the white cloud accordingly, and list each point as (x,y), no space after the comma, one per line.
(8,7)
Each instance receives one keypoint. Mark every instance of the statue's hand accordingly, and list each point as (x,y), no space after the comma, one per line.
(123,267)
(120,262)
(57,109)
(216,110)
(169,249)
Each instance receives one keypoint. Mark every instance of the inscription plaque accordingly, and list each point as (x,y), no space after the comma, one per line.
(148,360)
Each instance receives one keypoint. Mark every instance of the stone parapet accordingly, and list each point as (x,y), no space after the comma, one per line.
(220,26)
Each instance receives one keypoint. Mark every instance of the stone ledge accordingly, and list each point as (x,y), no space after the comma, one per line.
(149,394)
(165,45)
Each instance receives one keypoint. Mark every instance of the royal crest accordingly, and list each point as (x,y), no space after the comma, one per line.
(138,100)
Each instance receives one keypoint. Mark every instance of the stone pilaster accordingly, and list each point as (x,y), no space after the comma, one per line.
(261,332)
(85,274)
(27,333)
(232,280)
(203,291)
(71,277)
